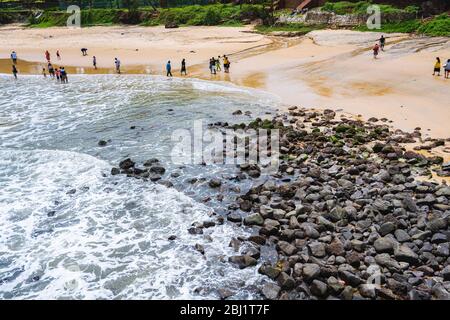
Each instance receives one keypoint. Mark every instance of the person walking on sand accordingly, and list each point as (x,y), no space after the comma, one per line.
(94,62)
(183,67)
(47,55)
(51,70)
(117,63)
(58,56)
(14,57)
(447,69)
(376,49)
(168,69)
(218,68)
(437,67)
(14,71)
(382,42)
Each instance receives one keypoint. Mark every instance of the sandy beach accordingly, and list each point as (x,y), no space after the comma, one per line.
(325,69)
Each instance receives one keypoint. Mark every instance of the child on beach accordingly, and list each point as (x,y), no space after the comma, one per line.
(58,55)
(117,63)
(14,71)
(44,73)
(14,57)
(447,69)
(94,62)
(376,49)
(168,69)
(183,67)
(47,55)
(437,67)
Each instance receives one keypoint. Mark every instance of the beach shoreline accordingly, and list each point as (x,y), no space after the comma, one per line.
(325,69)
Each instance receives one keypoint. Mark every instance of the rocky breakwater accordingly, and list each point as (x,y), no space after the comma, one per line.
(345,214)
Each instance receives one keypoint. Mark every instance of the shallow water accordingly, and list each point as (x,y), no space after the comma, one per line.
(70,230)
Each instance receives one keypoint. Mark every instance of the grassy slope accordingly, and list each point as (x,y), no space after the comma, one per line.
(438,26)
(217,14)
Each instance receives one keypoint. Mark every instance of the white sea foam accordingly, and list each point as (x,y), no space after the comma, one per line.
(68,229)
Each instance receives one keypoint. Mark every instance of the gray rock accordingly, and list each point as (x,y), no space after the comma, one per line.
(215,183)
(287,248)
(318,288)
(242,261)
(311,271)
(285,281)
(386,228)
(384,245)
(401,235)
(405,254)
(385,260)
(254,219)
(271,291)
(317,249)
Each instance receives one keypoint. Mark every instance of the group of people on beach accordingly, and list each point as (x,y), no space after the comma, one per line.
(437,68)
(215,64)
(59,74)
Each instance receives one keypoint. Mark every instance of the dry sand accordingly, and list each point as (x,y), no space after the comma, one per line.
(326,69)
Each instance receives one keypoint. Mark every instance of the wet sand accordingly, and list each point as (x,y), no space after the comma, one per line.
(325,69)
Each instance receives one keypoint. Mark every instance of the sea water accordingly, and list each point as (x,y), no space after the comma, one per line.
(70,230)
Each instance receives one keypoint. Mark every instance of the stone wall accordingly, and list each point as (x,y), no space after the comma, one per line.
(336,20)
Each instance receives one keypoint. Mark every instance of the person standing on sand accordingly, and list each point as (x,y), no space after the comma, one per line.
(58,55)
(47,55)
(447,69)
(14,71)
(218,68)
(382,42)
(212,65)
(94,62)
(117,63)
(168,69)
(183,67)
(376,49)
(437,67)
(14,57)
(226,64)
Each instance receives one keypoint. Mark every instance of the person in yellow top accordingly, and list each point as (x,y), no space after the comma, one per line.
(226,64)
(437,67)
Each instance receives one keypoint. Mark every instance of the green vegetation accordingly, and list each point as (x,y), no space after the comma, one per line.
(437,26)
(217,14)
(346,7)
(291,27)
